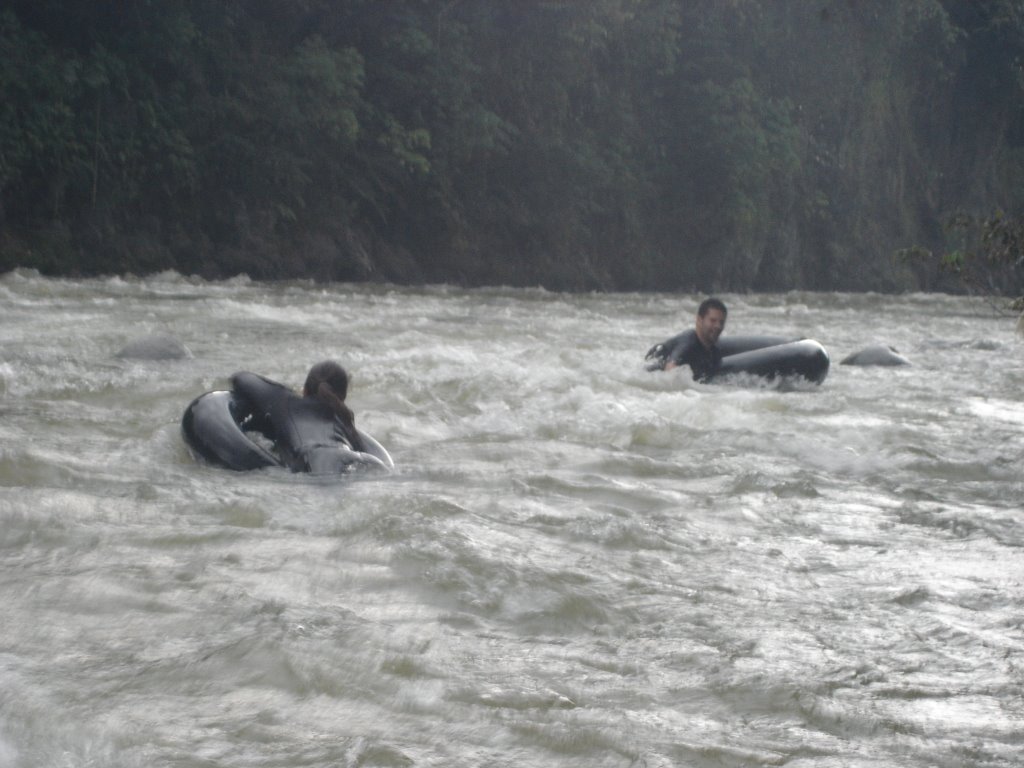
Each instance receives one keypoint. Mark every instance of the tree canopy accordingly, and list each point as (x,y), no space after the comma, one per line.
(612,144)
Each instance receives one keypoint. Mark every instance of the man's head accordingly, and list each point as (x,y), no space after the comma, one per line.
(710,321)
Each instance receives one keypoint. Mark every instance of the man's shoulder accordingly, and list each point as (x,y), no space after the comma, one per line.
(683,343)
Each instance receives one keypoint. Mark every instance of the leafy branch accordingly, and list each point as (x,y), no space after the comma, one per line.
(986,257)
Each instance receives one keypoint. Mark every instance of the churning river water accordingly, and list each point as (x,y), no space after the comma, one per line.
(575,563)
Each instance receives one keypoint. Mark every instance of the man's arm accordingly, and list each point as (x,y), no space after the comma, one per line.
(666,355)
(682,352)
(254,394)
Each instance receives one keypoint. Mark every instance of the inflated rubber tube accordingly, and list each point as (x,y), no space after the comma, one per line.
(730,345)
(767,356)
(734,345)
(805,358)
(212,430)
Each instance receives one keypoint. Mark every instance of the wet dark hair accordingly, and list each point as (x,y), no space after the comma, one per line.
(328,382)
(712,303)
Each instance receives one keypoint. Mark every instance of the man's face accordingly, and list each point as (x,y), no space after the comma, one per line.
(710,326)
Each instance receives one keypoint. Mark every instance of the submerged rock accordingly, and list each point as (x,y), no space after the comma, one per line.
(155,347)
(877,354)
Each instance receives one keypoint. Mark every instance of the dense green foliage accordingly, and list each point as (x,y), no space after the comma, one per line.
(627,144)
(985,257)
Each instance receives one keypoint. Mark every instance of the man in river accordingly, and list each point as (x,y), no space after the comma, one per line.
(696,348)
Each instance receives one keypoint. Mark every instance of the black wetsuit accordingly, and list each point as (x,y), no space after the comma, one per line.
(307,434)
(686,349)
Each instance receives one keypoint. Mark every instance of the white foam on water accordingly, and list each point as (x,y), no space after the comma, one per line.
(576,561)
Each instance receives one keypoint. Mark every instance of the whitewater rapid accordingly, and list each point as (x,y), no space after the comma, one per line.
(575,563)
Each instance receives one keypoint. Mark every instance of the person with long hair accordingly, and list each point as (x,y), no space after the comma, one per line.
(312,432)
(328,382)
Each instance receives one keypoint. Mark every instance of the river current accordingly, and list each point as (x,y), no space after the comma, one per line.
(576,562)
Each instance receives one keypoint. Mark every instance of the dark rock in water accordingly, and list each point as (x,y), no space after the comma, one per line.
(156,347)
(878,354)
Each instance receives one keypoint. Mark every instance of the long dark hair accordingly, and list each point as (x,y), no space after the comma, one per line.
(328,382)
